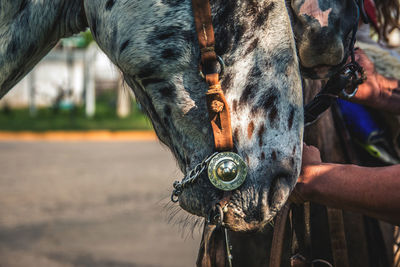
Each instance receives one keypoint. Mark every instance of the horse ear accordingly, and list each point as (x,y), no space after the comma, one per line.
(212,252)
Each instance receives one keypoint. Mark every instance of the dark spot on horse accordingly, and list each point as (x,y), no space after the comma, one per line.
(22,6)
(262,156)
(161,33)
(251,7)
(251,47)
(273,114)
(290,120)
(109,4)
(260,134)
(294,150)
(263,16)
(167,92)
(250,129)
(225,35)
(146,82)
(167,110)
(236,135)
(226,82)
(254,73)
(169,53)
(172,3)
(239,32)
(292,161)
(165,35)
(267,102)
(281,59)
(124,45)
(248,94)
(146,71)
(166,121)
(234,106)
(274,155)
(224,44)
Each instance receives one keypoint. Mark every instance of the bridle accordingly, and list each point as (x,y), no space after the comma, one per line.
(226,170)
(344,83)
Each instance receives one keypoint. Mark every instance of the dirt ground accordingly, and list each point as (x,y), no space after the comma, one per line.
(97,204)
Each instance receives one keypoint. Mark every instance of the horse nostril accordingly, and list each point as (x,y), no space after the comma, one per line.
(279,191)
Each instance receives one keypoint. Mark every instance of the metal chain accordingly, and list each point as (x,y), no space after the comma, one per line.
(190,178)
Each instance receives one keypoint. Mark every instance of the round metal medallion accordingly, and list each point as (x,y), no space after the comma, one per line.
(227,171)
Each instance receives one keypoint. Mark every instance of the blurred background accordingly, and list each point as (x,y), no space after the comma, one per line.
(83,180)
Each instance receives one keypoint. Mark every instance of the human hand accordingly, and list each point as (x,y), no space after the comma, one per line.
(309,171)
(376,89)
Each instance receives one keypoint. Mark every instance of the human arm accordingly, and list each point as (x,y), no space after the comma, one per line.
(377,91)
(371,191)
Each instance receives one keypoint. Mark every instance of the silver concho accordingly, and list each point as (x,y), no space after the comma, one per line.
(227,171)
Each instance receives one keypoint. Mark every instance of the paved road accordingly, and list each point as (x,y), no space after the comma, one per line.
(97,204)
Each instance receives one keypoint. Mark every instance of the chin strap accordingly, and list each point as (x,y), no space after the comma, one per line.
(217,106)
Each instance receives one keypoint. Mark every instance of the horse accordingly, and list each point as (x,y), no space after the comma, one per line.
(154,44)
(323,32)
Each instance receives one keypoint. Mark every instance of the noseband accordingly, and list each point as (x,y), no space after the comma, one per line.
(226,170)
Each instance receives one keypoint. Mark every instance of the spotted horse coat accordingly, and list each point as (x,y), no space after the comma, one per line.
(154,44)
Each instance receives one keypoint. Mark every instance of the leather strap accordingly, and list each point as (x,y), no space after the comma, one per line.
(212,252)
(278,237)
(338,237)
(396,247)
(217,106)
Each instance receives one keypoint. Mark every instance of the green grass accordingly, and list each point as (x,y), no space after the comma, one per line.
(46,119)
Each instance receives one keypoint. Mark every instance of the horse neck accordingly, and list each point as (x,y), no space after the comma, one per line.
(29,29)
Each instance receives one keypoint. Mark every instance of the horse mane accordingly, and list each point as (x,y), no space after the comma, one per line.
(388,16)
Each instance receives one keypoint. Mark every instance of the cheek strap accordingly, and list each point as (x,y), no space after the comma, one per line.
(217,106)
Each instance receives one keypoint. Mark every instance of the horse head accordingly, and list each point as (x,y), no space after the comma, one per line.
(154,44)
(324,31)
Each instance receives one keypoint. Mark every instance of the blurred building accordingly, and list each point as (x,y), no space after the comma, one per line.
(64,74)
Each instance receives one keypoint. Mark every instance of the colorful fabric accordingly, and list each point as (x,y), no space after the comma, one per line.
(370,9)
